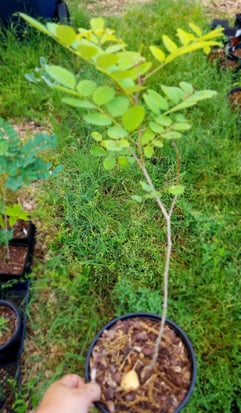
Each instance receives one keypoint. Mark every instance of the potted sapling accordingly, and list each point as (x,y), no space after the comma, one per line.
(21,164)
(143,362)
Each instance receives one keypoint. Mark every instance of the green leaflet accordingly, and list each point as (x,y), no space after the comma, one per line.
(176,189)
(97,136)
(65,34)
(133,118)
(155,101)
(175,94)
(185,37)
(109,163)
(97,119)
(115,145)
(137,198)
(171,135)
(86,87)
(158,53)
(190,48)
(195,29)
(181,126)
(147,136)
(116,132)
(35,23)
(169,44)
(123,161)
(106,60)
(146,187)
(118,106)
(97,23)
(156,127)
(86,49)
(98,151)
(163,120)
(193,99)
(61,75)
(140,70)
(79,103)
(148,151)
(15,213)
(103,95)
(127,60)
(158,143)
(186,87)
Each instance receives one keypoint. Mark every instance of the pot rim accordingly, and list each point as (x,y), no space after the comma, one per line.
(154,317)
(234,90)
(17,331)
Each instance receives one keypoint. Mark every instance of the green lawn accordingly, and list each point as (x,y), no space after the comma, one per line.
(103,251)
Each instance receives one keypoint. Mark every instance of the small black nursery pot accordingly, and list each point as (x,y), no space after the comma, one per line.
(121,350)
(16,258)
(10,327)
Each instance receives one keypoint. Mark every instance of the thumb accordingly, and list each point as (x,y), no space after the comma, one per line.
(92,391)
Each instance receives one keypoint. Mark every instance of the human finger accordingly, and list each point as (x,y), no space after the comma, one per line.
(72,381)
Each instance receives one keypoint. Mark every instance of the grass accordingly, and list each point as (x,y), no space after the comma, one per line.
(104,251)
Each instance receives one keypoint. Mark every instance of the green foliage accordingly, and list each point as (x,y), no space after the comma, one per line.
(20,165)
(3,325)
(20,162)
(94,228)
(136,120)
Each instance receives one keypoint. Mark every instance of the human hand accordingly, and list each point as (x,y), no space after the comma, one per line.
(70,394)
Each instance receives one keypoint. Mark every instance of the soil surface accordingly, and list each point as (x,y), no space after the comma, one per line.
(21,229)
(10,324)
(128,347)
(235,98)
(14,263)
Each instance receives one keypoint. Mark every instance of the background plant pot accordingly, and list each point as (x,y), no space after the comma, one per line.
(234,97)
(19,262)
(156,318)
(10,362)
(15,319)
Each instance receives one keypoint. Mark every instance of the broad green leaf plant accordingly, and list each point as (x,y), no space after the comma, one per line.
(132,122)
(21,164)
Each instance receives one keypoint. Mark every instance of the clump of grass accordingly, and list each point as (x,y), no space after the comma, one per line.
(103,251)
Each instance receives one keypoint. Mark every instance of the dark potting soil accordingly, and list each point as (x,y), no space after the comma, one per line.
(21,229)
(14,264)
(10,325)
(129,345)
(235,99)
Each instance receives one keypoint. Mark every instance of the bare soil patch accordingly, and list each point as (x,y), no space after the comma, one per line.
(213,8)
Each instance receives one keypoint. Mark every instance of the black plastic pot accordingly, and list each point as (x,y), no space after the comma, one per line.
(27,236)
(25,246)
(153,317)
(10,361)
(9,345)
